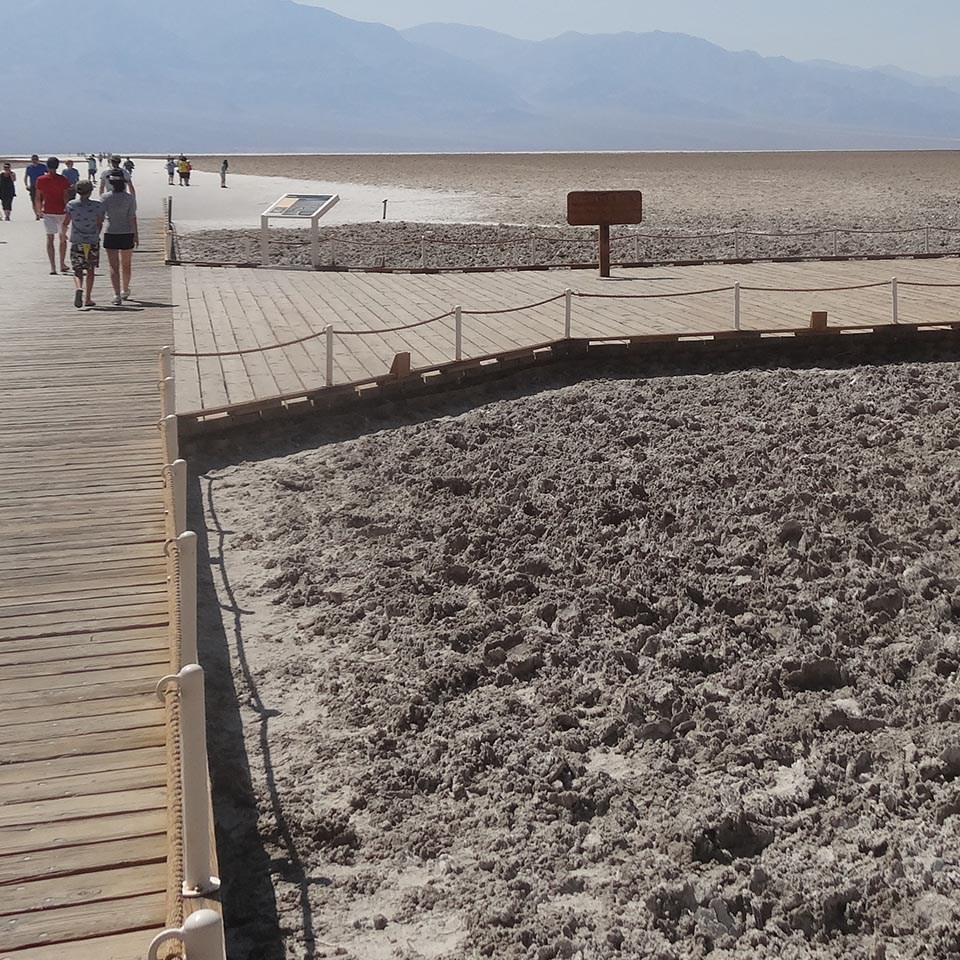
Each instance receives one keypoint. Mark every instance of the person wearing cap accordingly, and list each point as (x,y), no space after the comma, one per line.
(51,206)
(8,189)
(30,177)
(84,217)
(112,174)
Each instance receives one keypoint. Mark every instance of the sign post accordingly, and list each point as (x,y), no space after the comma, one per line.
(296,206)
(603,209)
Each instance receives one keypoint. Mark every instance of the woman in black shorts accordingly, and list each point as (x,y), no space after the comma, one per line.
(8,189)
(121,235)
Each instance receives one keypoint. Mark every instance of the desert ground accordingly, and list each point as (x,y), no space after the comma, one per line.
(592,666)
(684,193)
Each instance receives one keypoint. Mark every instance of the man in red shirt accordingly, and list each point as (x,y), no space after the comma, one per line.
(52,189)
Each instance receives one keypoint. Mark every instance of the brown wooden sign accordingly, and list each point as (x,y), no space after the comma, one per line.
(590,208)
(603,208)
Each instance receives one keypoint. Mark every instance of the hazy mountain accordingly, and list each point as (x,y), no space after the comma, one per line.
(271,75)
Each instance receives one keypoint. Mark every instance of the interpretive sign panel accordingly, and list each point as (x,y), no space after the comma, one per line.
(603,208)
(306,206)
(590,208)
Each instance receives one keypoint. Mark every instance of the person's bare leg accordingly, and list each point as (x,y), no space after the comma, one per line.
(90,276)
(126,267)
(63,253)
(51,256)
(113,256)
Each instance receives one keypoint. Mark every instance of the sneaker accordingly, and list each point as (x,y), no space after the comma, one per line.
(116,301)
(78,299)
(125,295)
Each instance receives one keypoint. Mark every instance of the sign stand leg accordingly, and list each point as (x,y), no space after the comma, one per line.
(604,249)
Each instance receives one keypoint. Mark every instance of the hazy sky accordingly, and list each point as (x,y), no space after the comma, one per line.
(919,36)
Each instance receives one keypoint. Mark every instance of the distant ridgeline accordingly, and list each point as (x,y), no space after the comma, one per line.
(274,76)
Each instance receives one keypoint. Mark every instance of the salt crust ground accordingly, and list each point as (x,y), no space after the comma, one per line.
(662,668)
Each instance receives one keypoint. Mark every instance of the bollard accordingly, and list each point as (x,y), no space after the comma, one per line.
(187,555)
(458,331)
(264,242)
(201,936)
(568,321)
(168,433)
(168,396)
(197,879)
(896,298)
(315,244)
(328,330)
(736,306)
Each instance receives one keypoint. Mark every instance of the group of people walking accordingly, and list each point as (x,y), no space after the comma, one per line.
(71,217)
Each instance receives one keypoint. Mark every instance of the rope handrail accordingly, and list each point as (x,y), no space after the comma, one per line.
(651,296)
(914,283)
(529,306)
(857,286)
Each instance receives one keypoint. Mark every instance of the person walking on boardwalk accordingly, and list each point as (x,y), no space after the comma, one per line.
(8,190)
(223,173)
(51,206)
(110,177)
(84,217)
(30,177)
(121,236)
(171,170)
(73,175)
(92,168)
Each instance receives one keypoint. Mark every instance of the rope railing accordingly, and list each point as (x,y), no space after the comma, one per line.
(182,693)
(330,333)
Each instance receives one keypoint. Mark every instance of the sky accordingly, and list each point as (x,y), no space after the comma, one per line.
(920,36)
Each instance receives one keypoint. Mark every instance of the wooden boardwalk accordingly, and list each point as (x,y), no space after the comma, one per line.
(224,309)
(84,631)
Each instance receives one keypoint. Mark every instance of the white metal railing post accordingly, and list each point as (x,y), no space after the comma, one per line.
(178,481)
(168,432)
(836,246)
(315,243)
(329,358)
(736,306)
(201,936)
(197,878)
(458,332)
(187,556)
(568,318)
(896,299)
(926,240)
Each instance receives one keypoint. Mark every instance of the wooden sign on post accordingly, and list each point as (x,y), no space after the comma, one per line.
(604,208)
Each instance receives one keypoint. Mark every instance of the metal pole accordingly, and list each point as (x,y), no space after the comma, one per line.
(265,241)
(197,879)
(315,242)
(636,248)
(384,209)
(896,304)
(736,306)
(178,480)
(568,321)
(458,331)
(171,444)
(329,332)
(201,936)
(187,556)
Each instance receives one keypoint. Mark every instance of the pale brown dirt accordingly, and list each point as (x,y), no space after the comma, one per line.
(659,668)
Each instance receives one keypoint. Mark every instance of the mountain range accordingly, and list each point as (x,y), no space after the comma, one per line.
(277,76)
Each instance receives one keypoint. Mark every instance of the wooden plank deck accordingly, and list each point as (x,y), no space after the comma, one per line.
(83,611)
(228,309)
